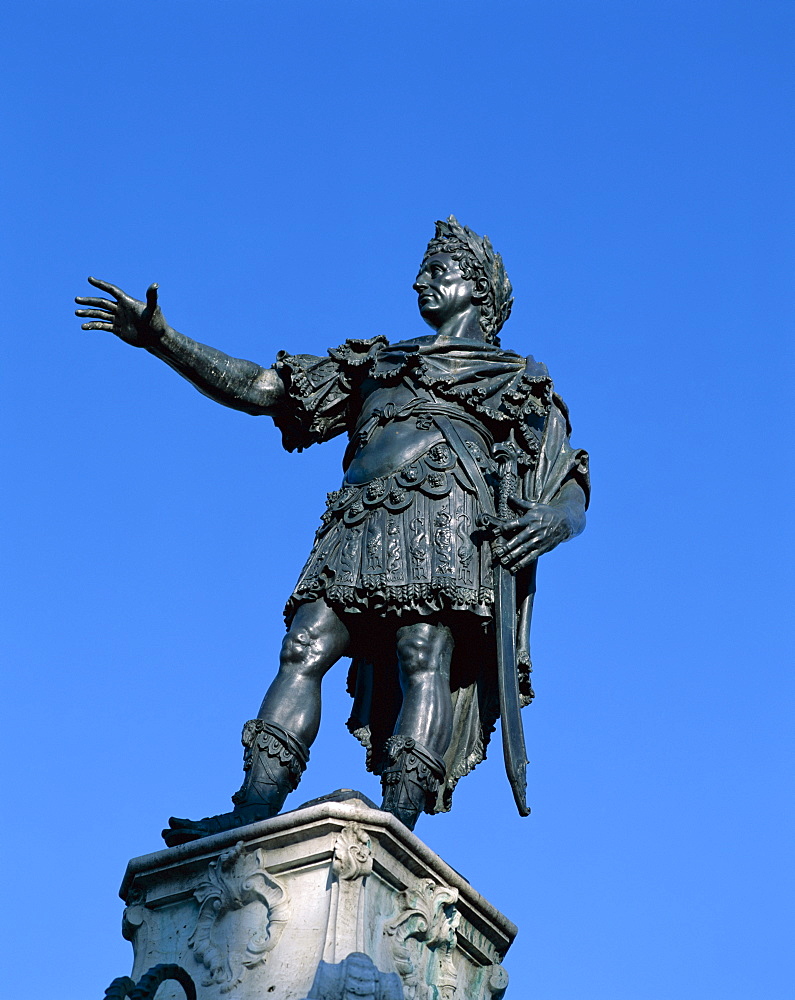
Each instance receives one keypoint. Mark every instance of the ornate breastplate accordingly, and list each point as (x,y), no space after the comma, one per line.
(399,431)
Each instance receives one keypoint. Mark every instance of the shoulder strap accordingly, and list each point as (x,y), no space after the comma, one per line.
(456,443)
(467,460)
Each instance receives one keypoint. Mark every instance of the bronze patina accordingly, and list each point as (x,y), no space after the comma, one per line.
(458,475)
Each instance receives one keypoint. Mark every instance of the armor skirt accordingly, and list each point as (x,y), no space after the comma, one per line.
(405,543)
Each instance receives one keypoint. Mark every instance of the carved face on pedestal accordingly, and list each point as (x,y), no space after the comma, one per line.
(443,292)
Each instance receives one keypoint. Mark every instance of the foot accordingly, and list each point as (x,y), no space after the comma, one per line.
(182,831)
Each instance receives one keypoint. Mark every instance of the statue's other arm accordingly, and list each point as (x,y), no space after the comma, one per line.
(541,526)
(561,489)
(234,382)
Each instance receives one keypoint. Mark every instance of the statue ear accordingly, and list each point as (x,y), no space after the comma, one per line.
(481,290)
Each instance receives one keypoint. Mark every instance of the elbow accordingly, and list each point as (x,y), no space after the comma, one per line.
(574,498)
(577,522)
(265,393)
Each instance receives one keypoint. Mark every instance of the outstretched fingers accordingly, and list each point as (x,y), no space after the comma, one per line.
(105,286)
(105,314)
(84,300)
(97,326)
(102,309)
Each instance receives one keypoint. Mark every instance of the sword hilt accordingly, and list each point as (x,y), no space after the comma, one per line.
(506,454)
(506,488)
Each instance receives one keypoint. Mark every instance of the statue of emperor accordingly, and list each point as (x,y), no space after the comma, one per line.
(458,475)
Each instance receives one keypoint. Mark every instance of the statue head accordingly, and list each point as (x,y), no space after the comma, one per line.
(478,263)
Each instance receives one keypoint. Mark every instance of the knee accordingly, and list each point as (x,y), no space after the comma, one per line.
(423,649)
(302,653)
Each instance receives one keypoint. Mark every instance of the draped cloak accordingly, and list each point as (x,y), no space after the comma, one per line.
(502,393)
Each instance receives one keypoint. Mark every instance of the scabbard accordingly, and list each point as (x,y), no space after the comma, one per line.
(513,745)
(505,624)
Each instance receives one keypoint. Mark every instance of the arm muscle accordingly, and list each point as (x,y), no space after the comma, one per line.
(243,385)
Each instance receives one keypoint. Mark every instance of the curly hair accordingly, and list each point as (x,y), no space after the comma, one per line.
(477,259)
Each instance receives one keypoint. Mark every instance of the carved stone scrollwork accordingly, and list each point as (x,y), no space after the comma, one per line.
(353,854)
(423,940)
(137,927)
(351,863)
(497,981)
(134,914)
(231,885)
(132,920)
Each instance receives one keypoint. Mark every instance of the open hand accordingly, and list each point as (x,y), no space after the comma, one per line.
(138,323)
(539,528)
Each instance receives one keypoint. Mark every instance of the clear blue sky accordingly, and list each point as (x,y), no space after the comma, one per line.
(278,168)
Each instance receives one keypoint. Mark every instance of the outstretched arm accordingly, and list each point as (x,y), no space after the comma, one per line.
(234,382)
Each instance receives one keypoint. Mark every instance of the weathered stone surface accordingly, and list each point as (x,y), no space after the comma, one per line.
(355,976)
(252,912)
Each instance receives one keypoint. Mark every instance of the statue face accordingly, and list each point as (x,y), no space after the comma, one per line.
(443,292)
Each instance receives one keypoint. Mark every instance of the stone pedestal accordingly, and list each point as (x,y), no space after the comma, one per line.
(336,899)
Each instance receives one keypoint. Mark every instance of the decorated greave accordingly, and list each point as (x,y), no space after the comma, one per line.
(274,761)
(411,779)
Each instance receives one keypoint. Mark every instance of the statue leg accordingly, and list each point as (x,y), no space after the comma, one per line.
(424,726)
(317,639)
(277,741)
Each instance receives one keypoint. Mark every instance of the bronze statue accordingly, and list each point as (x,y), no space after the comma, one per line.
(458,476)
